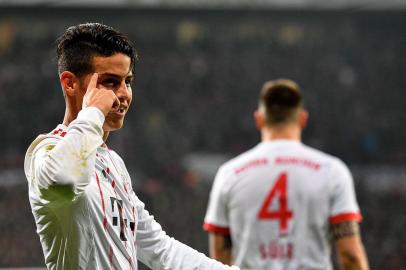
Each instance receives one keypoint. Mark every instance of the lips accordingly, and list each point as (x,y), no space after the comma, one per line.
(120,112)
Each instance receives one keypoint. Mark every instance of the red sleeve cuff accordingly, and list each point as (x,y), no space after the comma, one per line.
(346,217)
(216,229)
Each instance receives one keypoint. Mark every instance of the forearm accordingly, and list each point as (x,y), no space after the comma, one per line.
(350,250)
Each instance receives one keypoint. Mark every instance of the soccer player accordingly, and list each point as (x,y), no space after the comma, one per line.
(278,205)
(87,215)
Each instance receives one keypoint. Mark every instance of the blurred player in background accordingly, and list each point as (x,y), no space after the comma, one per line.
(86,212)
(277,205)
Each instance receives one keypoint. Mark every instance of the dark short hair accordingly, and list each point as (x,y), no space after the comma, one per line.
(281,99)
(80,43)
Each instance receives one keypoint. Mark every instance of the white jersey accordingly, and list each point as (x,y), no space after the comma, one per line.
(87,215)
(277,201)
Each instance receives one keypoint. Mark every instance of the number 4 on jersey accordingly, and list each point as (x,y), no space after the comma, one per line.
(278,191)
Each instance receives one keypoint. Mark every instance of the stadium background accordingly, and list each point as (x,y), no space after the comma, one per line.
(197,81)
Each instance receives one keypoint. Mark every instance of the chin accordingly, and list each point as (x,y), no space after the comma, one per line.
(112,126)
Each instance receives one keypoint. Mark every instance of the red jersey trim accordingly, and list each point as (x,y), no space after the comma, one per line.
(346,217)
(102,202)
(59,132)
(216,229)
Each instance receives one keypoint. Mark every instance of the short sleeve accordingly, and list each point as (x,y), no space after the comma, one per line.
(344,205)
(216,219)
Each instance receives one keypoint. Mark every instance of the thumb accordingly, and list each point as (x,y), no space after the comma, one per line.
(116,103)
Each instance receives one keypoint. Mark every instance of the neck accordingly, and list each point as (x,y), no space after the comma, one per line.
(105,135)
(69,116)
(282,132)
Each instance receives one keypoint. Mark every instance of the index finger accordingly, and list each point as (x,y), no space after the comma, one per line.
(93,81)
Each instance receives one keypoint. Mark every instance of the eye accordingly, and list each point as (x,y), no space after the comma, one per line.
(111,82)
(128,82)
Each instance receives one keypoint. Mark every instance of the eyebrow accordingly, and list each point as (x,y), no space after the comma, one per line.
(128,75)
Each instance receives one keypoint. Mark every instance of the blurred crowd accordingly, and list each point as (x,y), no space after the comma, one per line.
(180,209)
(196,86)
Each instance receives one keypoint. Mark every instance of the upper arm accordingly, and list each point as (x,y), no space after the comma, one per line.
(37,169)
(350,249)
(220,247)
(344,219)
(216,221)
(61,163)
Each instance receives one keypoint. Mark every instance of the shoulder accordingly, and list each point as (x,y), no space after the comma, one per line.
(336,170)
(242,162)
(40,146)
(323,157)
(46,140)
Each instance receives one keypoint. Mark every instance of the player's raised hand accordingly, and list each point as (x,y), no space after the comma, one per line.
(99,97)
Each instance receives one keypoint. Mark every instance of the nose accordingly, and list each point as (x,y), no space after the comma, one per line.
(124,92)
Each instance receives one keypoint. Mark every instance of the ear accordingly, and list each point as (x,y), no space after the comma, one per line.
(68,82)
(303,118)
(259,119)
